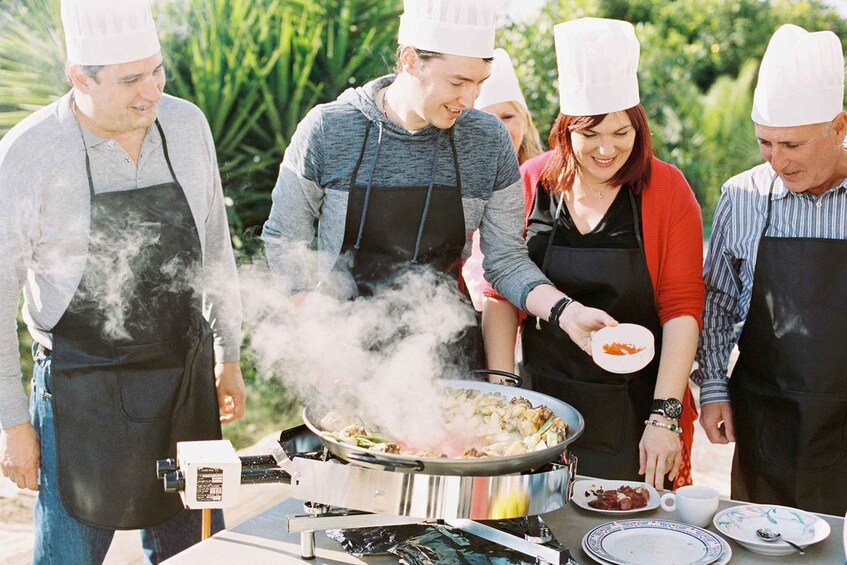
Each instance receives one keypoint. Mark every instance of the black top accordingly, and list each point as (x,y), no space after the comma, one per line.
(615,231)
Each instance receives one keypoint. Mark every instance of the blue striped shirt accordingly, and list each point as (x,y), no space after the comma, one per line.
(730,264)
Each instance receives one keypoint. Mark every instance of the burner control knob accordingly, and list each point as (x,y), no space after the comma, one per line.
(165,466)
(174,481)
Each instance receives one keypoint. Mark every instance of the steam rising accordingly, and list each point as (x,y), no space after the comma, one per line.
(376,356)
(117,257)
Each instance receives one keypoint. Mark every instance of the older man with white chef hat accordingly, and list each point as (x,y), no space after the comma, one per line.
(113,224)
(778,264)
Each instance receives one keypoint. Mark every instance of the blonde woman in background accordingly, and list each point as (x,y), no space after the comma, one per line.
(501,96)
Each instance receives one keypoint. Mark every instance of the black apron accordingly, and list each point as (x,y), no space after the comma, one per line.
(132,361)
(387,229)
(614,406)
(789,385)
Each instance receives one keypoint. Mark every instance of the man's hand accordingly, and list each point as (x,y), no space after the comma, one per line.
(716,419)
(20,455)
(579,322)
(231,392)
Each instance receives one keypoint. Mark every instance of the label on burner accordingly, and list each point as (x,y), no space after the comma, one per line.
(210,482)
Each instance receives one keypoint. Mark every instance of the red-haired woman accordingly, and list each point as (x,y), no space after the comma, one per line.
(619,230)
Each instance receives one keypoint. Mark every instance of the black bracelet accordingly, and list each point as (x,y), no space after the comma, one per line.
(557,309)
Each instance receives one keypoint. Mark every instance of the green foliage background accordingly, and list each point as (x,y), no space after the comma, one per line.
(255,67)
(699,60)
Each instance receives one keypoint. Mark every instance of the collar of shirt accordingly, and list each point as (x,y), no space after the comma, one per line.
(68,119)
(780,191)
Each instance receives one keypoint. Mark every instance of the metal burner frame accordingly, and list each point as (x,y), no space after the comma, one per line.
(345,495)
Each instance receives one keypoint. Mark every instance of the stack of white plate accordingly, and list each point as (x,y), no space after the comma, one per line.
(648,542)
(741,522)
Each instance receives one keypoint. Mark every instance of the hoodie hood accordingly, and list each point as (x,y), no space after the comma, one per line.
(363,98)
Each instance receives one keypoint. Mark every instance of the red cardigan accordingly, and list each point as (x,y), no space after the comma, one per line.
(673,237)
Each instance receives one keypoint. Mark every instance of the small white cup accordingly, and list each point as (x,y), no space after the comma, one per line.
(694,504)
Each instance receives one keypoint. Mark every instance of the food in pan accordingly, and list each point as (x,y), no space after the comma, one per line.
(621,498)
(616,348)
(490,424)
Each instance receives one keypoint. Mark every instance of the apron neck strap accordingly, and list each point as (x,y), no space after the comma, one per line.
(768,208)
(555,228)
(88,158)
(165,149)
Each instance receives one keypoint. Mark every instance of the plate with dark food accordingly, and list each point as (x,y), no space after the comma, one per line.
(614,497)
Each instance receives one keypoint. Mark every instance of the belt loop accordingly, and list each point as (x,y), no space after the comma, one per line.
(40,350)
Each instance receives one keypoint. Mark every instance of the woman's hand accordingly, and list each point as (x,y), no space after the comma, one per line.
(660,454)
(579,322)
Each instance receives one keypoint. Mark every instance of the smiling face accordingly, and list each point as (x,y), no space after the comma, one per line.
(123,99)
(806,157)
(444,86)
(515,120)
(602,150)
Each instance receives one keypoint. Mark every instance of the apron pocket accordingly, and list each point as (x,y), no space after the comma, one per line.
(604,406)
(147,395)
(799,430)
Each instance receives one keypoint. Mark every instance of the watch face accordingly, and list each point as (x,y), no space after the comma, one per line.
(668,407)
(673,408)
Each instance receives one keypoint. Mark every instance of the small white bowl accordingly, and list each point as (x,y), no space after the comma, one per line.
(630,334)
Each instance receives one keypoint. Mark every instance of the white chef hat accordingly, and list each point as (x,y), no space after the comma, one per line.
(108,32)
(801,79)
(598,64)
(452,27)
(502,85)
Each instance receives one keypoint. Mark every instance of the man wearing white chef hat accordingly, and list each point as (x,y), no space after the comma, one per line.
(113,215)
(402,170)
(778,263)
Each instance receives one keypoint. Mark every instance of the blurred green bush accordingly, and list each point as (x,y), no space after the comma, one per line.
(699,60)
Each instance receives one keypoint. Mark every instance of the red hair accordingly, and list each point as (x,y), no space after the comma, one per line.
(559,173)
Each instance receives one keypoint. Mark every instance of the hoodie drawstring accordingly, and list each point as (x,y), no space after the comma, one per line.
(358,244)
(427,201)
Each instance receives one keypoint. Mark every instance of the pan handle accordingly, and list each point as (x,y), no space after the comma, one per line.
(389,465)
(516,379)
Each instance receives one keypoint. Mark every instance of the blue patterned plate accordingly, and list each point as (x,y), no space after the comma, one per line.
(741,522)
(647,542)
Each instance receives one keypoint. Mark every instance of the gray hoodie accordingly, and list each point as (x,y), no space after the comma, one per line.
(315,175)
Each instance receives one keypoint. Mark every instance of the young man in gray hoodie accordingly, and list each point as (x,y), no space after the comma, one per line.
(403,170)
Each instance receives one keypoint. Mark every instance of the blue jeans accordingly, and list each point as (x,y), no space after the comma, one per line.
(62,539)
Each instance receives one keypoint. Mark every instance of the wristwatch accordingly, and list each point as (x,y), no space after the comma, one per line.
(667,407)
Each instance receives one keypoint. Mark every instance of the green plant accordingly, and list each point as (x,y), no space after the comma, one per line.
(31,59)
(694,76)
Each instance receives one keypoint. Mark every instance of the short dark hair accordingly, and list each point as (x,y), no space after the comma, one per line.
(92,71)
(424,55)
(559,173)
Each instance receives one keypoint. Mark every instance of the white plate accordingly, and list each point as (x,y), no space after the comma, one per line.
(741,522)
(581,487)
(633,334)
(726,553)
(648,542)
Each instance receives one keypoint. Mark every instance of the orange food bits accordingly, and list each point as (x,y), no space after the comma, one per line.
(616,348)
